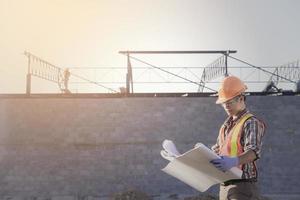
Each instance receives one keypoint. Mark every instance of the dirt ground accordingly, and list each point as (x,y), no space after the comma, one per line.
(139,195)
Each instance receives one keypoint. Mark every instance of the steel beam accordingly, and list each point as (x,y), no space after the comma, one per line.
(179,52)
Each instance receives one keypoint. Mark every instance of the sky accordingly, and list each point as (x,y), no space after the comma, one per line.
(84,34)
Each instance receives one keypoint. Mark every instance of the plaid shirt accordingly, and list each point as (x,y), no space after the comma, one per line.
(251,139)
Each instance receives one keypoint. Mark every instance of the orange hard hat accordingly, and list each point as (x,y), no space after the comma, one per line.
(231,87)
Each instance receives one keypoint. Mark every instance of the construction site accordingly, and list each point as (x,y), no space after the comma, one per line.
(71,145)
(149,100)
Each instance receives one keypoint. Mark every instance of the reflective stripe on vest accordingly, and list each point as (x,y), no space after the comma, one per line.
(231,145)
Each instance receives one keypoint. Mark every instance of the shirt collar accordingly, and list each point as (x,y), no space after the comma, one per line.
(230,119)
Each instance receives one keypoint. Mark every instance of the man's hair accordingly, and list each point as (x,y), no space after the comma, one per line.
(243,95)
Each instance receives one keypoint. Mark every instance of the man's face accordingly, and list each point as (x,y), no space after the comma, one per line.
(233,106)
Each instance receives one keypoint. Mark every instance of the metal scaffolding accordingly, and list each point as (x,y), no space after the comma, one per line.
(185,79)
(290,71)
(217,68)
(42,69)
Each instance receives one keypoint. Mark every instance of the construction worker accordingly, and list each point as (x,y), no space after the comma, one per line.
(239,142)
(66,78)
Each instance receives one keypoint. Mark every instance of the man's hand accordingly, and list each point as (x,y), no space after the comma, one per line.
(170,147)
(225,163)
(216,148)
(166,155)
(197,145)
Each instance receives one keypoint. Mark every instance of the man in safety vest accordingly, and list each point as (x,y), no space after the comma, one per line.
(239,142)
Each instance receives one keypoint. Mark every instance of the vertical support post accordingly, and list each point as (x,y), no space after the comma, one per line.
(28,78)
(127,84)
(298,86)
(127,76)
(28,84)
(277,76)
(129,81)
(226,64)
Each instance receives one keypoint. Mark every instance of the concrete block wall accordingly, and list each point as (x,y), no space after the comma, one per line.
(93,147)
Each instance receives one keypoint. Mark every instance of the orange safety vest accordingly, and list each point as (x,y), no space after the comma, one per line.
(231,145)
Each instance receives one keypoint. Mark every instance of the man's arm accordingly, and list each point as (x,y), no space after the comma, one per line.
(246,157)
(216,148)
(254,132)
(226,162)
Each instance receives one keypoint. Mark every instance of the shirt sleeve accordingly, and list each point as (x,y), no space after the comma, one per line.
(254,130)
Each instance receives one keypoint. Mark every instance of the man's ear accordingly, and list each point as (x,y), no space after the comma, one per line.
(242,98)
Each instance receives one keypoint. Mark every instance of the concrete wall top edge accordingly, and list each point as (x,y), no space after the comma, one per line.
(136,95)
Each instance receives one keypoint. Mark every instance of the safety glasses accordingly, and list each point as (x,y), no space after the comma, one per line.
(232,101)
